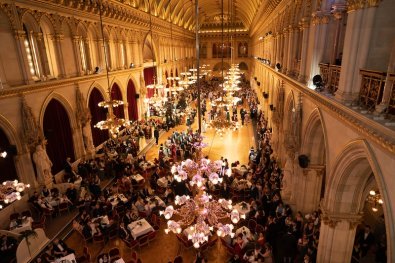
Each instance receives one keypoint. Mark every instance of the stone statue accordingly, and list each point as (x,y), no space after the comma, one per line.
(287,179)
(43,166)
(87,135)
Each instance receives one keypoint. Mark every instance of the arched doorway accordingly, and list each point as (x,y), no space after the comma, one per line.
(132,101)
(117,95)
(356,172)
(7,165)
(98,114)
(57,132)
(149,75)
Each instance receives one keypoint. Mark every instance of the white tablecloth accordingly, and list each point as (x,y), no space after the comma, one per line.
(136,230)
(137,177)
(26,225)
(162,182)
(240,209)
(119,261)
(152,204)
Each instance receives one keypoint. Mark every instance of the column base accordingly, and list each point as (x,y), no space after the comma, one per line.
(380,109)
(346,98)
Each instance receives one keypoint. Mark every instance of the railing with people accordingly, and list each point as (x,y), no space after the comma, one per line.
(372,87)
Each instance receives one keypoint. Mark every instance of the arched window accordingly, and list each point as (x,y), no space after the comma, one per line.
(31,52)
(84,62)
(123,54)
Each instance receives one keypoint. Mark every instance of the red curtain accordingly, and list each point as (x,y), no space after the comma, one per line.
(98,114)
(57,131)
(167,81)
(149,74)
(7,165)
(117,95)
(132,101)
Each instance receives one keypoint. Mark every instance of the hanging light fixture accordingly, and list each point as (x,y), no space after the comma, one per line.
(375,199)
(112,123)
(199,215)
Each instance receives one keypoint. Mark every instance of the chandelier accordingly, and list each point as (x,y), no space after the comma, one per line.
(112,123)
(374,198)
(199,214)
(10,191)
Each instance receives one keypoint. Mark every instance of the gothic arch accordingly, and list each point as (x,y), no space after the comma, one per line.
(150,44)
(11,133)
(314,141)
(98,87)
(288,106)
(121,87)
(351,175)
(66,104)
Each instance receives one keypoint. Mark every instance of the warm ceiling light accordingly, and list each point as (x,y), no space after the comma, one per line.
(372,192)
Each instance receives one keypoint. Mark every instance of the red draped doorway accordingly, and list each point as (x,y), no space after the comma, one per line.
(98,114)
(58,133)
(117,95)
(132,101)
(149,74)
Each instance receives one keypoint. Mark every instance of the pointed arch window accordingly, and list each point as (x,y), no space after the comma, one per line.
(84,61)
(31,52)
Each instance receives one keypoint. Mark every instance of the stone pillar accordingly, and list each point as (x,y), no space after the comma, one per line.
(305,27)
(338,14)
(20,37)
(140,53)
(77,54)
(317,42)
(88,56)
(59,53)
(284,59)
(388,83)
(310,185)
(337,236)
(356,46)
(135,56)
(291,47)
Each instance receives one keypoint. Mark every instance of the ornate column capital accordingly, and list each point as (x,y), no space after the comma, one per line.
(338,10)
(19,34)
(333,218)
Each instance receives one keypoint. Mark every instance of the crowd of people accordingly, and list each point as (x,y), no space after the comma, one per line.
(272,233)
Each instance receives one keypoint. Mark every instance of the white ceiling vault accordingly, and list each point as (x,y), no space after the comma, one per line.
(241,13)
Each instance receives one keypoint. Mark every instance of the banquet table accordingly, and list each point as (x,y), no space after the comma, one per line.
(151,201)
(162,182)
(26,225)
(139,228)
(137,177)
(70,258)
(241,210)
(240,170)
(119,261)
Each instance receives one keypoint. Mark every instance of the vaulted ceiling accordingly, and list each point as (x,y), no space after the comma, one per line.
(239,13)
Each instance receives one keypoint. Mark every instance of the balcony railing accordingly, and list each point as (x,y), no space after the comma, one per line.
(330,75)
(391,104)
(372,87)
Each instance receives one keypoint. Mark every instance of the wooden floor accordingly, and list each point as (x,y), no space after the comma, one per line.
(233,146)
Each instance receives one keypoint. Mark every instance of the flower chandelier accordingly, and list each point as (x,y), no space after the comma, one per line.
(10,191)
(112,123)
(200,214)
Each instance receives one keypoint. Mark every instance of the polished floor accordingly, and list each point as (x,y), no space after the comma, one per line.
(233,146)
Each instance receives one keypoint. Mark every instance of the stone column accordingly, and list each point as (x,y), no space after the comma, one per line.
(284,59)
(59,53)
(388,83)
(338,14)
(310,185)
(20,37)
(305,27)
(317,42)
(337,236)
(356,46)
(88,56)
(291,47)
(140,53)
(77,55)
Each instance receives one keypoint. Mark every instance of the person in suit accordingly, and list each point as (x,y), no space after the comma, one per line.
(60,249)
(156,135)
(124,232)
(366,240)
